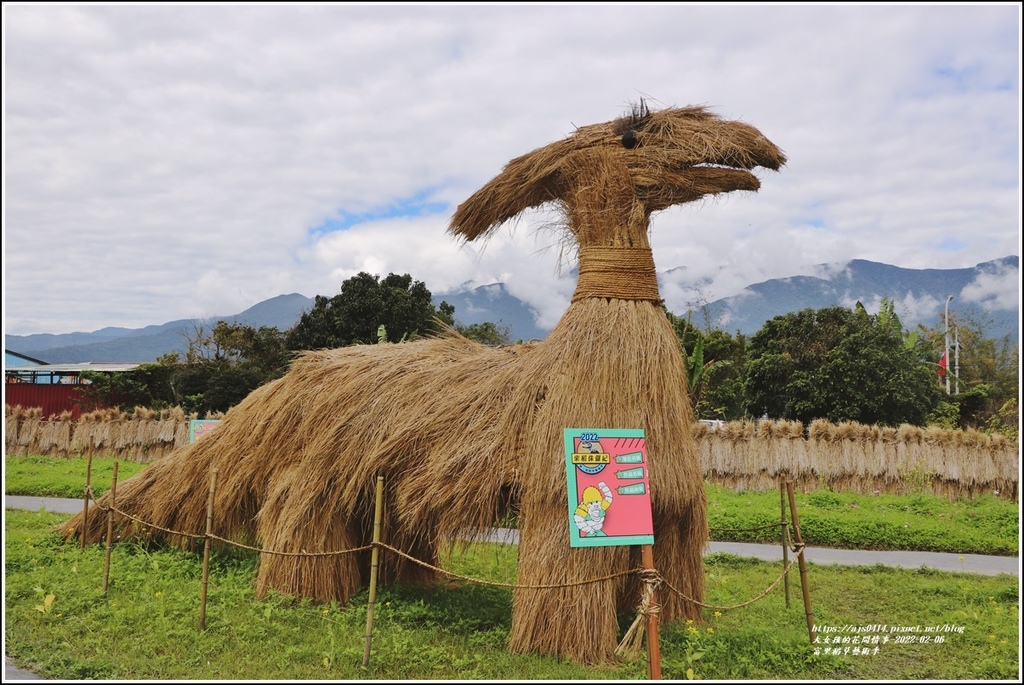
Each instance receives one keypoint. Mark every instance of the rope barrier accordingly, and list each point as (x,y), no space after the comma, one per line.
(770,525)
(633,639)
(650,578)
(646,619)
(509,585)
(771,587)
(303,553)
(647,612)
(194,536)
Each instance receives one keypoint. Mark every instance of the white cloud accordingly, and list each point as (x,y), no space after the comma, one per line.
(165,162)
(995,289)
(908,307)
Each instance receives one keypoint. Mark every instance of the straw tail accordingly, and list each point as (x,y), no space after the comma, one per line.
(254,441)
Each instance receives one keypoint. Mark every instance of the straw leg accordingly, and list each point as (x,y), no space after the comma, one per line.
(291,525)
(418,541)
(569,619)
(679,559)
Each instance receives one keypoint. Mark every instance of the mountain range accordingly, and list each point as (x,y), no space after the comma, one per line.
(919,296)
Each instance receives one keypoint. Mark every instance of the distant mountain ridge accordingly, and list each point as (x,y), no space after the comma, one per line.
(920,295)
(151,342)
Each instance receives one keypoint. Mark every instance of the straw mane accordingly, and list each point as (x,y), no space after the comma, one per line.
(462,432)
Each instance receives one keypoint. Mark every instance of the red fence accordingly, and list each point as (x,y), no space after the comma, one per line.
(52,399)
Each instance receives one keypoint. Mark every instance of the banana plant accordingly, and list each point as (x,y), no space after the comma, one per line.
(698,371)
(888,319)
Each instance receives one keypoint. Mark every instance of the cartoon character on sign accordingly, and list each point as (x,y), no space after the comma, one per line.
(590,513)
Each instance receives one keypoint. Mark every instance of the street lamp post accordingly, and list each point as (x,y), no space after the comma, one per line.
(956,356)
(945,354)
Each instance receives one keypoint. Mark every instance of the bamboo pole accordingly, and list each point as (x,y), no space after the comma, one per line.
(85,500)
(653,647)
(803,563)
(206,551)
(110,528)
(785,537)
(374,559)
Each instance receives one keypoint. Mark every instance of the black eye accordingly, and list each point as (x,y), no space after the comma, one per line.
(629,139)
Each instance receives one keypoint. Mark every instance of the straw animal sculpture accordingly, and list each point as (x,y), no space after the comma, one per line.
(462,432)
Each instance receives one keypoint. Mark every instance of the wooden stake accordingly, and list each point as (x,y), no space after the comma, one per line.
(803,563)
(85,499)
(653,648)
(206,550)
(374,559)
(110,528)
(785,537)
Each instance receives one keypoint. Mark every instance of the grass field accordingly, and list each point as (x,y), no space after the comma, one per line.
(60,624)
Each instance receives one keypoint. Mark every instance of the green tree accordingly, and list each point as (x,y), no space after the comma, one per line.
(837,364)
(260,350)
(714,366)
(366,303)
(984,376)
(488,333)
(888,320)
(786,351)
(144,386)
(724,397)
(226,387)
(1005,420)
(221,365)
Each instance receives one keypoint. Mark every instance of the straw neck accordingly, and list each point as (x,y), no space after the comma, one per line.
(621,273)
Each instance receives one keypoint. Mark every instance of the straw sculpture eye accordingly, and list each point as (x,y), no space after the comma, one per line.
(629,140)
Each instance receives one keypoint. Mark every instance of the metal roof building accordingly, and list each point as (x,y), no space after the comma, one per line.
(19,368)
(54,388)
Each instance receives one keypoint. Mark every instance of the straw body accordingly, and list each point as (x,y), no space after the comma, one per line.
(463,433)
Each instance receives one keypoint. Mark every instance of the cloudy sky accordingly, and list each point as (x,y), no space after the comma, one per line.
(188,161)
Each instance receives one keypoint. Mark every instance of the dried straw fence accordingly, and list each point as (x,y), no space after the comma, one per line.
(143,435)
(854,457)
(743,455)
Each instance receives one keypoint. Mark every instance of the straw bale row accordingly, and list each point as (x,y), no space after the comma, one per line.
(143,435)
(854,457)
(744,455)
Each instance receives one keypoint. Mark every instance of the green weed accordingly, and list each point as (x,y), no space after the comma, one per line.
(39,476)
(146,625)
(60,624)
(922,522)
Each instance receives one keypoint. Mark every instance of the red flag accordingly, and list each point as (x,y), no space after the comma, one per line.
(942,364)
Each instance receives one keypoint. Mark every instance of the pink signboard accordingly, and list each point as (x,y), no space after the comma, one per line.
(609,487)
(197,428)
